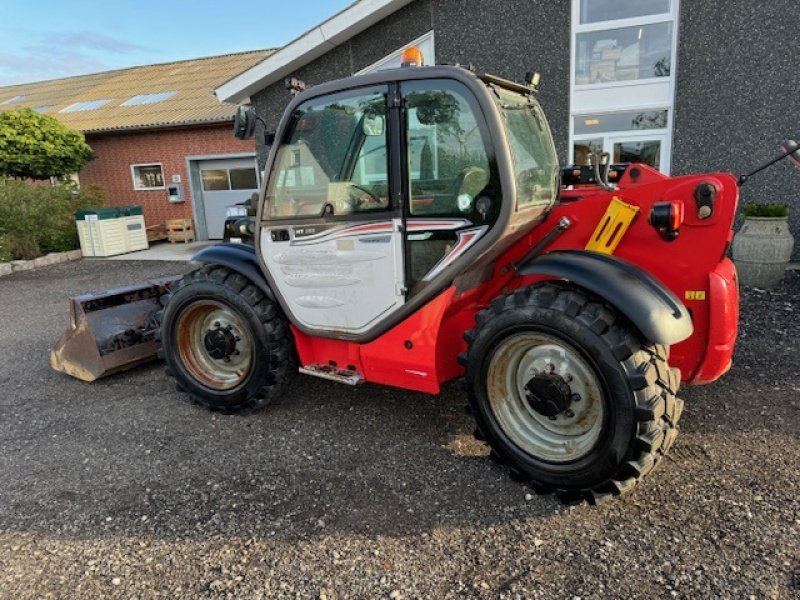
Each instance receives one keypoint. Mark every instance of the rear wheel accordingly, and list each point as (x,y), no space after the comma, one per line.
(227,344)
(567,394)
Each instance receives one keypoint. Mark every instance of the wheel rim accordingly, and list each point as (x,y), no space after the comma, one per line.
(575,429)
(214,344)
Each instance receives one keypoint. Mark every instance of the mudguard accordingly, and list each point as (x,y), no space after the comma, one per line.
(238,257)
(652,308)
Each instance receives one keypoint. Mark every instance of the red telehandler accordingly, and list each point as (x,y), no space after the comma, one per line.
(414,227)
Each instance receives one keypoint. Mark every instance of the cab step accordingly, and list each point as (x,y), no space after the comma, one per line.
(345,376)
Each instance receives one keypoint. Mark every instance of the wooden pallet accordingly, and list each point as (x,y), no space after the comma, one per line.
(180,230)
(157,232)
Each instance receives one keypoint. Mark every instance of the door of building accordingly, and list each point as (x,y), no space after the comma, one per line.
(223,183)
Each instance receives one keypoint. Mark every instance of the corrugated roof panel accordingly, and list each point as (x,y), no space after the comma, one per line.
(191,82)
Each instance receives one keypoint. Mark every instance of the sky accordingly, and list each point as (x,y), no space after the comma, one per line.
(48,39)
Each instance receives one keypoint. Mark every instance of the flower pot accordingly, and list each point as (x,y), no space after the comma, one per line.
(761,250)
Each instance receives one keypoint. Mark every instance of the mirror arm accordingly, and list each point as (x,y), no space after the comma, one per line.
(743,178)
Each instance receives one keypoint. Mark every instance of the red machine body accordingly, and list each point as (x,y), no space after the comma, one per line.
(421,352)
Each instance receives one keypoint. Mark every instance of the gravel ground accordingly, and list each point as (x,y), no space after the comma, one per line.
(119,489)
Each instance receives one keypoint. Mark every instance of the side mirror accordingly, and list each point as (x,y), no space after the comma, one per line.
(794,148)
(373,125)
(244,122)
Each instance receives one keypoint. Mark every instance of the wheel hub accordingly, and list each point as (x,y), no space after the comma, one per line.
(220,343)
(548,394)
(545,396)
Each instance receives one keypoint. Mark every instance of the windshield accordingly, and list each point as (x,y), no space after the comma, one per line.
(532,150)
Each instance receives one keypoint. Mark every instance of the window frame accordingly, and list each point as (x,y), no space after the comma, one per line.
(393,210)
(137,188)
(457,87)
(658,93)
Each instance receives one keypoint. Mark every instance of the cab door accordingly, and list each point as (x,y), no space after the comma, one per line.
(453,189)
(331,234)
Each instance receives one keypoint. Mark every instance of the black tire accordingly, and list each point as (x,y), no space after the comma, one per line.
(254,325)
(639,408)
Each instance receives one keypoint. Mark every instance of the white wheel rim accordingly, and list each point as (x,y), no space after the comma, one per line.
(560,440)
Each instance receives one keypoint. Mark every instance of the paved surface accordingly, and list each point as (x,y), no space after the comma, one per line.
(164,251)
(120,490)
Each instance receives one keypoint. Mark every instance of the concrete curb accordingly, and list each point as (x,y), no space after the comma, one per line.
(54,258)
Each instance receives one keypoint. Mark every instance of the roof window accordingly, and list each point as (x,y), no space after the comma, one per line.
(83,106)
(13,100)
(148,99)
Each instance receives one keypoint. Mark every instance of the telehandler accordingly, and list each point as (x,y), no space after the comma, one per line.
(414,227)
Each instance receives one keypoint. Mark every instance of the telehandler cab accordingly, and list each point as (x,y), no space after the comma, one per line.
(413,229)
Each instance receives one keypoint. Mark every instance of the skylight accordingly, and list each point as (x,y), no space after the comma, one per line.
(148,99)
(13,100)
(82,106)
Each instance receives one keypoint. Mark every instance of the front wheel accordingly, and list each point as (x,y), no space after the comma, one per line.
(226,344)
(567,394)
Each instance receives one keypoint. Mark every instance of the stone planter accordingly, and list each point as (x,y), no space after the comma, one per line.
(761,250)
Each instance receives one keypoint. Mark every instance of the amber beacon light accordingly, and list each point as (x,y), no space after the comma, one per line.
(412,57)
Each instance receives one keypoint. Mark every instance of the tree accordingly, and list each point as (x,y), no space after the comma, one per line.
(37,146)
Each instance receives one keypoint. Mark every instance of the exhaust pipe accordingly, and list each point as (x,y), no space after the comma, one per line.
(111,331)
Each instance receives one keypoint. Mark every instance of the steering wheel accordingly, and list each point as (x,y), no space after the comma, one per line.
(358,202)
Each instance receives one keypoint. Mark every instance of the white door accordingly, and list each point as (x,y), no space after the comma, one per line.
(225,182)
(333,241)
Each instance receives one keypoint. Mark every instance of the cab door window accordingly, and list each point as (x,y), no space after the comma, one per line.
(333,160)
(448,160)
(451,172)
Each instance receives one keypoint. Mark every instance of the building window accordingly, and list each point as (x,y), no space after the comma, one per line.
(84,106)
(13,100)
(624,54)
(623,80)
(147,99)
(148,176)
(593,11)
(222,180)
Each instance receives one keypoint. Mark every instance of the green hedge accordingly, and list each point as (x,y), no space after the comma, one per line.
(37,219)
(766,210)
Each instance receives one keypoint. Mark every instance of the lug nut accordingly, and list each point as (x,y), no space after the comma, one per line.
(568,378)
(236,338)
(553,418)
(575,398)
(216,324)
(569,414)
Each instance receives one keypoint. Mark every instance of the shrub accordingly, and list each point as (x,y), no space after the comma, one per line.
(37,146)
(766,210)
(37,219)
(5,249)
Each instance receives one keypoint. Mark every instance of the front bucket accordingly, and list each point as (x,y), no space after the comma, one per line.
(110,331)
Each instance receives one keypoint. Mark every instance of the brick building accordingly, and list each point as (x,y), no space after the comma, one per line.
(160,137)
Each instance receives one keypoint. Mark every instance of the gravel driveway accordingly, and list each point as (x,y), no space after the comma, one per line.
(119,489)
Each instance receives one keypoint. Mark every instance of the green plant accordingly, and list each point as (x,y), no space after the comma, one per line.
(5,249)
(37,219)
(766,210)
(37,146)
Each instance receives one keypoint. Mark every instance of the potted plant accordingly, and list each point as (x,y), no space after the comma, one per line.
(763,246)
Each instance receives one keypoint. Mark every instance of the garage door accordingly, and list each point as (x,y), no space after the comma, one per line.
(225,182)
